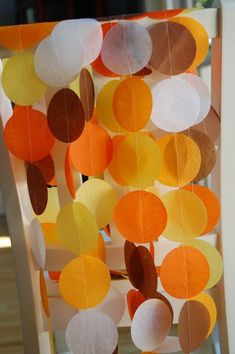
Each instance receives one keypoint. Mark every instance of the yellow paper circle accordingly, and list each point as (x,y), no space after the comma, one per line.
(214,260)
(100,198)
(76,228)
(181,160)
(84,282)
(20,81)
(186,215)
(200,35)
(139,160)
(104,106)
(209,303)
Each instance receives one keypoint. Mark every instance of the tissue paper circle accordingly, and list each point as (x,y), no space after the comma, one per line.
(194,323)
(210,125)
(181,160)
(199,34)
(87,33)
(46,166)
(151,324)
(126,48)
(139,160)
(178,113)
(100,198)
(207,150)
(84,282)
(113,166)
(98,64)
(174,48)
(129,247)
(203,93)
(76,228)
(49,234)
(37,242)
(100,251)
(184,272)
(166,301)
(211,203)
(96,147)
(58,59)
(140,216)
(27,135)
(134,300)
(186,215)
(142,272)
(43,292)
(113,305)
(65,116)
(130,109)
(91,332)
(37,189)
(213,258)
(206,300)
(20,82)
(104,106)
(87,93)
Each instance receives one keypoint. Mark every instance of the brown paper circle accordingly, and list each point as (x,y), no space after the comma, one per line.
(142,272)
(46,166)
(167,302)
(37,189)
(174,48)
(207,150)
(65,116)
(128,249)
(87,93)
(194,323)
(210,125)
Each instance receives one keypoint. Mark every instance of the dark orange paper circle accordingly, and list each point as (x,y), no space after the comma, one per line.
(140,216)
(134,300)
(184,272)
(46,166)
(37,188)
(92,152)
(174,48)
(66,115)
(43,292)
(87,93)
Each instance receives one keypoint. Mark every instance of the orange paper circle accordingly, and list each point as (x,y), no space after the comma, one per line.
(43,292)
(113,166)
(140,216)
(184,272)
(132,103)
(92,152)
(84,282)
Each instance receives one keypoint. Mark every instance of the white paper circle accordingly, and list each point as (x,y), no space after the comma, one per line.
(151,324)
(91,332)
(37,242)
(113,305)
(203,93)
(176,105)
(127,48)
(170,345)
(87,32)
(58,59)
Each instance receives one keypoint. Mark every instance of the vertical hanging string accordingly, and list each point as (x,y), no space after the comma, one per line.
(180,198)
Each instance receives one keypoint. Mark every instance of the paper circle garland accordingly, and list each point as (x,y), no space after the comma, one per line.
(151,324)
(37,189)
(140,216)
(91,332)
(126,48)
(84,282)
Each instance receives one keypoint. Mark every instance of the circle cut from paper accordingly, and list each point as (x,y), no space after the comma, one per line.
(181,160)
(53,207)
(100,198)
(37,189)
(66,116)
(184,272)
(20,81)
(126,48)
(91,332)
(38,242)
(92,152)
(76,228)
(139,160)
(174,48)
(130,109)
(43,292)
(186,215)
(179,112)
(84,282)
(49,234)
(206,300)
(27,135)
(46,166)
(134,300)
(87,93)
(113,166)
(140,216)
(210,125)
(150,325)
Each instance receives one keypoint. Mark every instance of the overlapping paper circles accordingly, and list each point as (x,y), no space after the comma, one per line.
(116,129)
